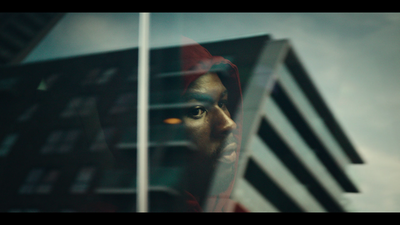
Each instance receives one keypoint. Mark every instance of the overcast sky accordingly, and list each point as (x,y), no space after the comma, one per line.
(354,60)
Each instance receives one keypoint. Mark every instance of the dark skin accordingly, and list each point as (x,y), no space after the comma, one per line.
(210,127)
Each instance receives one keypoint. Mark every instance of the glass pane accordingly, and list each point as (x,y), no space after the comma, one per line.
(69,131)
(66,107)
(195,78)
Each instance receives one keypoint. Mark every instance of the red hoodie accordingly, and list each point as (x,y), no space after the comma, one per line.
(199,61)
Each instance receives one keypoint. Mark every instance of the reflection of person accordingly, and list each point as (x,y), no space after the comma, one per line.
(214,96)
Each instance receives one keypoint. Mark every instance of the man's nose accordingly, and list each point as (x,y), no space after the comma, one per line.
(223,122)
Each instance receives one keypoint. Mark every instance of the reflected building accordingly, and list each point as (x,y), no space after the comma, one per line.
(296,155)
(68,138)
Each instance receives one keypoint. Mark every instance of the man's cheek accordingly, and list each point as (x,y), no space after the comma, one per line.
(195,128)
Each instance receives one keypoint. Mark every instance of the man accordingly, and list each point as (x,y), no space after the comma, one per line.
(212,89)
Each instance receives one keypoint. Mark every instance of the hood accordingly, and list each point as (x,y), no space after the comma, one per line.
(196,61)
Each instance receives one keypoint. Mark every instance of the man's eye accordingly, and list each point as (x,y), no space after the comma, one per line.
(222,104)
(196,112)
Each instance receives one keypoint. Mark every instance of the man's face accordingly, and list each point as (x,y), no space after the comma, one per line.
(209,125)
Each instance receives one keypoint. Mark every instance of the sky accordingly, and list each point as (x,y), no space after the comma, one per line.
(352,58)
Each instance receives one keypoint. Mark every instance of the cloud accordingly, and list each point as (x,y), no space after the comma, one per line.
(392,17)
(85,33)
(101,31)
(379,182)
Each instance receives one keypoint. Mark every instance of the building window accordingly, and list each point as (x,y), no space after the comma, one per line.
(39,181)
(95,76)
(79,105)
(100,143)
(31,181)
(124,103)
(107,75)
(7,144)
(28,113)
(60,141)
(82,181)
(91,77)
(47,183)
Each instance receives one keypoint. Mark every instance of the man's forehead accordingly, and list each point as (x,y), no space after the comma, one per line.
(205,96)
(207,83)
(199,96)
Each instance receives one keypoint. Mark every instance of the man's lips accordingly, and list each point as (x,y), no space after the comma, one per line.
(228,153)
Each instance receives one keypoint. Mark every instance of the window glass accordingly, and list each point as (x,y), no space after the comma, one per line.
(68,103)
(201,76)
(69,134)
(83,111)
